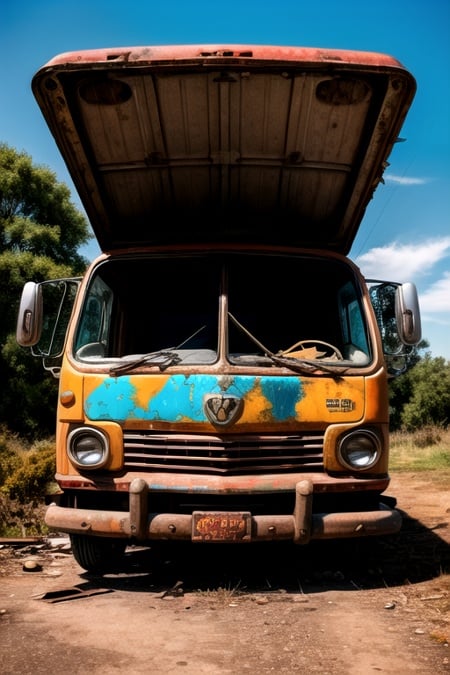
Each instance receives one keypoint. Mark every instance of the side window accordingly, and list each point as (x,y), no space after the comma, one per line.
(354,334)
(94,328)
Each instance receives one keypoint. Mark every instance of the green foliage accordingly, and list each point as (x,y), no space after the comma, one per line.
(26,476)
(30,478)
(9,453)
(40,233)
(35,388)
(21,520)
(36,214)
(401,388)
(429,402)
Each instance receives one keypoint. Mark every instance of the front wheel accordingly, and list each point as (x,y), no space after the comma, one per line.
(98,554)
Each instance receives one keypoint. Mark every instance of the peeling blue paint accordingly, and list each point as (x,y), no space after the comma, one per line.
(181,397)
(282,395)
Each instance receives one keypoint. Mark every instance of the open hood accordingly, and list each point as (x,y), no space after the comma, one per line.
(260,144)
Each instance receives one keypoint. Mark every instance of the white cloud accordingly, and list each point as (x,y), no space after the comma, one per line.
(404,180)
(403,262)
(437,297)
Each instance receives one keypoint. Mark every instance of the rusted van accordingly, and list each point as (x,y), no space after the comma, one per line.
(223,365)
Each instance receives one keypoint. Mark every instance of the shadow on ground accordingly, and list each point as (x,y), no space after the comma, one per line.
(414,555)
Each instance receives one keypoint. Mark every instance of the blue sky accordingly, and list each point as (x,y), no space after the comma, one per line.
(405,235)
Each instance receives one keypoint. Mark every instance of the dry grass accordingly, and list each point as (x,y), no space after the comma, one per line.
(222,594)
(427,449)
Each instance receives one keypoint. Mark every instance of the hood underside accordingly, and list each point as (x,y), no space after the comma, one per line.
(244,144)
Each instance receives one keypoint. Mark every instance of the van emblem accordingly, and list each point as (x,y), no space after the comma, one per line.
(222,410)
(340,404)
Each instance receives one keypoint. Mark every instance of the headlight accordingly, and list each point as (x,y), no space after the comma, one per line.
(88,448)
(359,450)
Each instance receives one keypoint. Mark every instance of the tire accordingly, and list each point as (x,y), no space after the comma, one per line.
(98,554)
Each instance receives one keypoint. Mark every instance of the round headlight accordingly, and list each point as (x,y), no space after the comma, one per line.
(88,448)
(359,450)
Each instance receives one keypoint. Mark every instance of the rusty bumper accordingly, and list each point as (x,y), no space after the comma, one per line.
(300,527)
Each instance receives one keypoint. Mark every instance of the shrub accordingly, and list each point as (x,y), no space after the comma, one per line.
(21,520)
(427,436)
(29,479)
(9,464)
(26,475)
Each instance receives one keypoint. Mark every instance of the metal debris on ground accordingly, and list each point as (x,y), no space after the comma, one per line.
(72,594)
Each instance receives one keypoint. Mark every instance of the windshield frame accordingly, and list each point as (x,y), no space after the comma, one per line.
(223,265)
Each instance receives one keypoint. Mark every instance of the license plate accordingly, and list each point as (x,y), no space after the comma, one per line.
(221,526)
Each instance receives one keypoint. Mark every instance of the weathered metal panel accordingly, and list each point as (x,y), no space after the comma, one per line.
(271,144)
(299,527)
(269,402)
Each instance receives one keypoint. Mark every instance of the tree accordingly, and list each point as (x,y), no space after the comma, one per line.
(401,388)
(40,233)
(429,403)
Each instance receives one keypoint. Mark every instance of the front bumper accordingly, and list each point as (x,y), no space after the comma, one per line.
(301,526)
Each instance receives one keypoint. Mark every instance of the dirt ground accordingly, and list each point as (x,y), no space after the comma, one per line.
(340,608)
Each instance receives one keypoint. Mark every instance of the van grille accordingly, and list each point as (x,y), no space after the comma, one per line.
(223,455)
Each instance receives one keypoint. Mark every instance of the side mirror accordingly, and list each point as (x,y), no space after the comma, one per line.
(44,315)
(407,314)
(30,317)
(397,312)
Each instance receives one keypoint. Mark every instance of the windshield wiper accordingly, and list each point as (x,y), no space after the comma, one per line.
(291,362)
(168,357)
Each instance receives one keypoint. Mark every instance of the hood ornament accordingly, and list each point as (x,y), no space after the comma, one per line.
(222,409)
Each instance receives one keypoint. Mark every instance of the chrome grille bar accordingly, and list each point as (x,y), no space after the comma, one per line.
(223,454)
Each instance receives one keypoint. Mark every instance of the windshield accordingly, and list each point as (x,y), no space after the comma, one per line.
(261,310)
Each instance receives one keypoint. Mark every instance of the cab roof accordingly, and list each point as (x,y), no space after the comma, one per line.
(212,143)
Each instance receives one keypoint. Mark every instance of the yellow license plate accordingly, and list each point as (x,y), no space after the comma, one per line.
(221,526)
